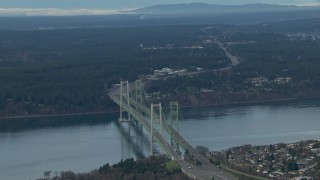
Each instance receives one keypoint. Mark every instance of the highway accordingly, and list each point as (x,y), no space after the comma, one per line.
(234,59)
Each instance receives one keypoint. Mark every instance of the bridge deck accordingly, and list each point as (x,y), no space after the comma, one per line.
(205,172)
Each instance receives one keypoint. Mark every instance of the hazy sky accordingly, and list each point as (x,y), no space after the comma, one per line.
(124,4)
(103,7)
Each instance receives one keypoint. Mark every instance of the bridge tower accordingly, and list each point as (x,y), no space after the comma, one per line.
(124,95)
(138,97)
(138,92)
(174,122)
(155,120)
(124,99)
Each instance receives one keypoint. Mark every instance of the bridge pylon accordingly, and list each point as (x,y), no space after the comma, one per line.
(138,92)
(174,122)
(138,96)
(155,120)
(124,96)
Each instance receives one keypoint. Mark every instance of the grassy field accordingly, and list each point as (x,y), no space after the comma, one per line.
(172,165)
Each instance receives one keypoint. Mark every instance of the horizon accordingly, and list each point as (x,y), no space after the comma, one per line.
(11,8)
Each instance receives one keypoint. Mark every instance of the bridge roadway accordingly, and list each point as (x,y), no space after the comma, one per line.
(205,172)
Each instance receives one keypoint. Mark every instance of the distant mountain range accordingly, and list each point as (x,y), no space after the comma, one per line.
(174,14)
(202,8)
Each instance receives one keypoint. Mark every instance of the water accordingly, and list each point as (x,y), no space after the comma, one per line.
(25,154)
(224,127)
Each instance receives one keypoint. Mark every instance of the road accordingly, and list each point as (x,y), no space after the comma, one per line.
(234,59)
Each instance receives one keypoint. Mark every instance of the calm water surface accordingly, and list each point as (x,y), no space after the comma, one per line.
(26,154)
(223,127)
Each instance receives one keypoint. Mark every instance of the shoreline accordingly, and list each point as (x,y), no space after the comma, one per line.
(57,115)
(182,107)
(253,102)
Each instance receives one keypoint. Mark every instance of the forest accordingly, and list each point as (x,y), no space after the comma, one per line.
(276,63)
(63,71)
(70,70)
(159,167)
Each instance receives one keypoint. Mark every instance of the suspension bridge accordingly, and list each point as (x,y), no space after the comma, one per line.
(163,131)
